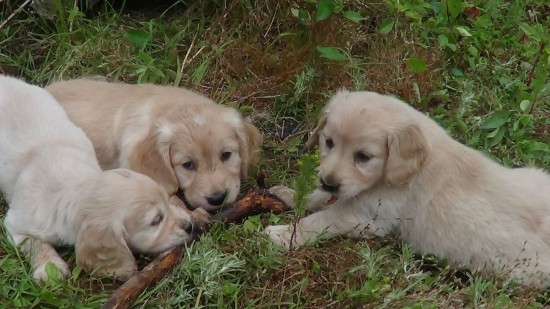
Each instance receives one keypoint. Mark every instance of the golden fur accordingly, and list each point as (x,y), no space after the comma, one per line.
(181,139)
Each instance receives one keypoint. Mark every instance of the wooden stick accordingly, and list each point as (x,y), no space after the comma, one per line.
(126,294)
(258,200)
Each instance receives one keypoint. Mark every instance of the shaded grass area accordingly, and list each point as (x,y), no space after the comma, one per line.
(483,74)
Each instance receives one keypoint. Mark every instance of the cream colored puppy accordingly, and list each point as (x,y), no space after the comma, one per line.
(58,194)
(181,139)
(394,170)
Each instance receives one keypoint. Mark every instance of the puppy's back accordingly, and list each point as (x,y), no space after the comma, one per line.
(32,123)
(110,112)
(28,115)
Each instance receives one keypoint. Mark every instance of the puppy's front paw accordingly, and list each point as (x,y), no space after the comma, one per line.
(41,275)
(200,218)
(284,193)
(281,235)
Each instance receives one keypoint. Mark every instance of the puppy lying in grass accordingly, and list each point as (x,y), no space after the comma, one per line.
(58,194)
(394,170)
(181,139)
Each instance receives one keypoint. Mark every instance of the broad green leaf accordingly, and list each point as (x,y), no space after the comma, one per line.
(252,223)
(493,133)
(146,58)
(499,134)
(76,272)
(457,72)
(525,120)
(139,37)
(473,51)
(462,126)
(417,65)
(331,53)
(533,146)
(503,301)
(315,266)
(229,288)
(524,105)
(496,120)
(451,46)
(53,272)
(452,8)
(354,16)
(324,9)
(443,40)
(413,15)
(386,26)
(539,146)
(463,31)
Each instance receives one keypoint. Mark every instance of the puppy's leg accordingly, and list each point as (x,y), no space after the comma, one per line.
(40,253)
(316,200)
(338,219)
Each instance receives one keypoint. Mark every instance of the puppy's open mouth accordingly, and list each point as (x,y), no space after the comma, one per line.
(331,200)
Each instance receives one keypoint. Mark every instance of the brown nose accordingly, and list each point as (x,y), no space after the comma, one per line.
(330,185)
(217,198)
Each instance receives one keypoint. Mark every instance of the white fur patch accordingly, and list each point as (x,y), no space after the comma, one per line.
(164,130)
(234,119)
(199,120)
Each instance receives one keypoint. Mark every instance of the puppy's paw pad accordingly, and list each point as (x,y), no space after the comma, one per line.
(54,267)
(284,193)
(280,235)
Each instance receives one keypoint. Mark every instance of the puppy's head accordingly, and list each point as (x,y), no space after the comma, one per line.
(367,139)
(203,149)
(127,212)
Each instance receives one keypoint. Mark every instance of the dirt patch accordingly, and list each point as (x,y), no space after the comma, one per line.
(311,273)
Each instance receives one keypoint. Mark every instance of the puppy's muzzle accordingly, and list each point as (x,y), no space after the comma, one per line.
(330,185)
(217,198)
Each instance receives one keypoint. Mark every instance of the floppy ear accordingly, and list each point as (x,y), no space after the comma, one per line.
(407,152)
(250,141)
(150,157)
(313,140)
(102,249)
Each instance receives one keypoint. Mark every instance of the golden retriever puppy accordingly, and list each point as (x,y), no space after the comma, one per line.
(394,170)
(179,138)
(58,194)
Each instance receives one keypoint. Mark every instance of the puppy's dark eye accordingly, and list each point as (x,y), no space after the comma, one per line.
(225,156)
(361,157)
(157,219)
(330,143)
(189,165)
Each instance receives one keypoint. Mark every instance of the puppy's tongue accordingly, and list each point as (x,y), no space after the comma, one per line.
(331,200)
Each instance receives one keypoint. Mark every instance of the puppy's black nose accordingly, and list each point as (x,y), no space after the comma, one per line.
(217,198)
(187,227)
(330,185)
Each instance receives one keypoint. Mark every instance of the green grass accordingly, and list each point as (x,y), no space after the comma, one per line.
(480,69)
